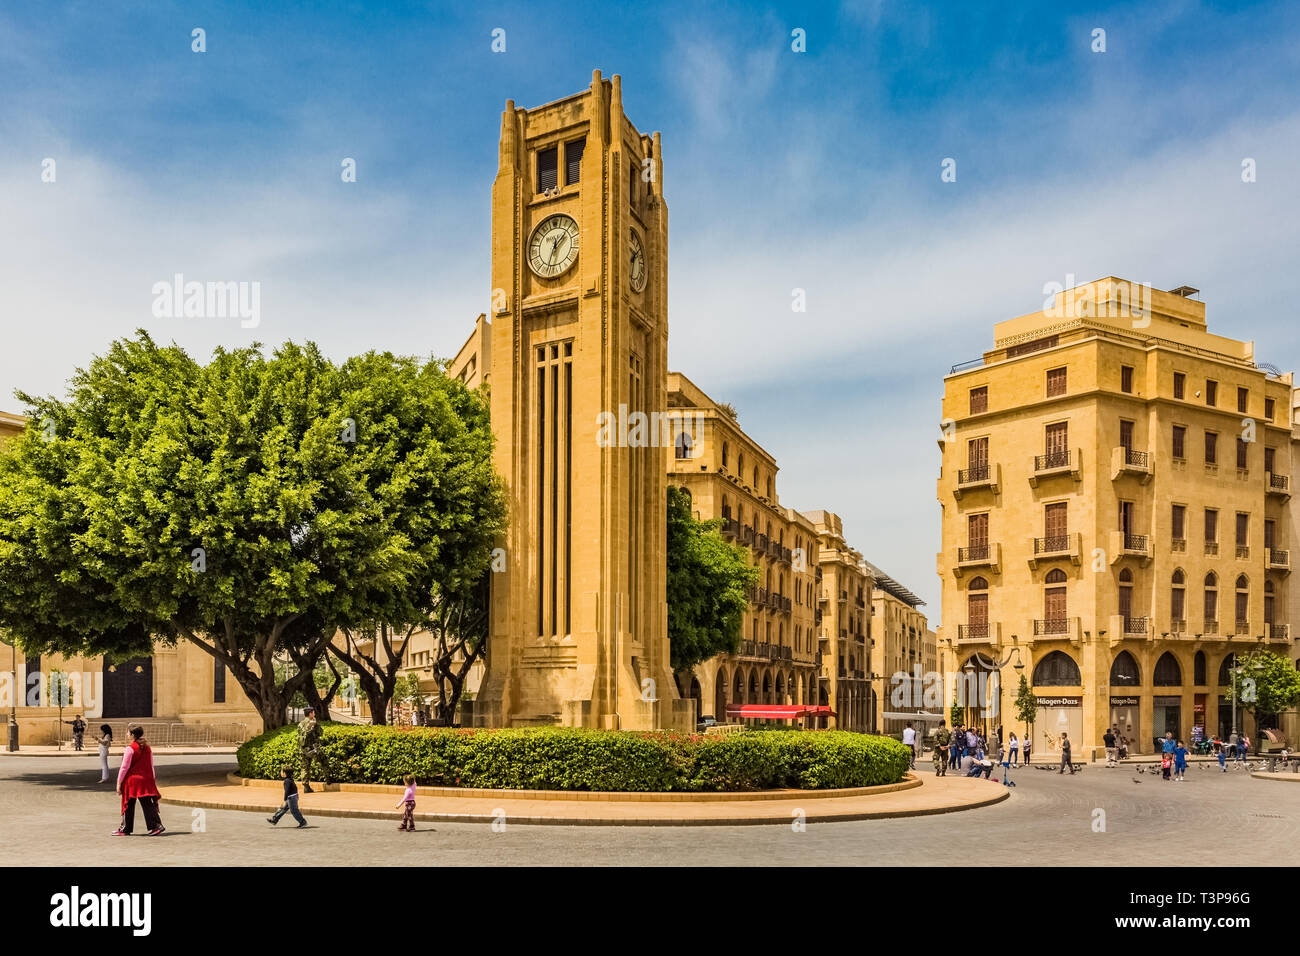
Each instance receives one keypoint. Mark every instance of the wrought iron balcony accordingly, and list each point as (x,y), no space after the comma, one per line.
(1064,628)
(1055,546)
(987,633)
(1279,559)
(1279,485)
(1128,461)
(1278,632)
(1063,462)
(980,475)
(987,554)
(1125,544)
(1136,625)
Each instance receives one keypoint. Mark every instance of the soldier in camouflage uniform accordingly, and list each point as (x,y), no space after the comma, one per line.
(942,737)
(311,750)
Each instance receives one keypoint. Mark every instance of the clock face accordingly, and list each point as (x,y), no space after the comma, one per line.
(553,247)
(636,265)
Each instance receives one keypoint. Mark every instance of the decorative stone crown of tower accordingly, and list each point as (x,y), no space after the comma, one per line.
(579,275)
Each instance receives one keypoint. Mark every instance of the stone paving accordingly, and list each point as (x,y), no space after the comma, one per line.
(54,812)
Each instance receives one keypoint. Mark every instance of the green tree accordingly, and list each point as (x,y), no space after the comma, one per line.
(1026,704)
(1266,684)
(708,580)
(252,506)
(956,713)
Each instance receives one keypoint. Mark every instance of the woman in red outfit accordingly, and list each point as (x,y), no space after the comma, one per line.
(135,782)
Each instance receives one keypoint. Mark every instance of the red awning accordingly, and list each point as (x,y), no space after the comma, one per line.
(777,711)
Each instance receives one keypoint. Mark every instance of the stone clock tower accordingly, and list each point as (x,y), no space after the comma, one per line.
(579,328)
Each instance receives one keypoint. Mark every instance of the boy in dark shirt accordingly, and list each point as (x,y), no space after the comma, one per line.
(290,804)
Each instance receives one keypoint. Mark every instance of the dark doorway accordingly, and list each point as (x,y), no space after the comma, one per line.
(128,688)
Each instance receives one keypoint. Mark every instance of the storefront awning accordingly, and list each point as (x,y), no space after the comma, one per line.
(920,717)
(777,711)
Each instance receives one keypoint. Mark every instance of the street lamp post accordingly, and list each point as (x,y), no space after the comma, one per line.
(13,695)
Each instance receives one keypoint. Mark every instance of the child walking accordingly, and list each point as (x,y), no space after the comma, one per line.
(408,803)
(1180,761)
(1166,764)
(290,804)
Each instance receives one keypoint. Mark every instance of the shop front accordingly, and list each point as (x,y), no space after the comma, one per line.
(1167,716)
(1124,717)
(1058,715)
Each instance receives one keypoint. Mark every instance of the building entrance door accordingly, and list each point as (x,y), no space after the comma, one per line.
(1167,715)
(128,688)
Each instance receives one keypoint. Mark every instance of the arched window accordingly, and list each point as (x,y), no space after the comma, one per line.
(1057,669)
(977,611)
(1225,670)
(740,466)
(756,477)
(1168,673)
(1178,602)
(1124,671)
(1243,605)
(724,454)
(769,486)
(1054,613)
(1198,669)
(1211,604)
(684,445)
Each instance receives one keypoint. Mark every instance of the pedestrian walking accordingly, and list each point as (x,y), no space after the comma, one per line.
(1222,752)
(1108,738)
(1180,761)
(407,803)
(909,741)
(1013,749)
(105,741)
(1166,764)
(78,731)
(1026,746)
(135,781)
(290,804)
(311,750)
(942,738)
(954,747)
(1243,748)
(1065,754)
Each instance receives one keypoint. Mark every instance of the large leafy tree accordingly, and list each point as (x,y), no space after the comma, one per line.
(1266,684)
(708,578)
(252,506)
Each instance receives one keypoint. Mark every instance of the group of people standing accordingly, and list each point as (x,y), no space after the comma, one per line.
(953,747)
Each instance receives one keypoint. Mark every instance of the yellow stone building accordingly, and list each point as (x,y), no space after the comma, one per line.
(1115,490)
(844,637)
(904,659)
(731,477)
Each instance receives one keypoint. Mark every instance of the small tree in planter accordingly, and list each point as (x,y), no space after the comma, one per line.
(60,692)
(1026,705)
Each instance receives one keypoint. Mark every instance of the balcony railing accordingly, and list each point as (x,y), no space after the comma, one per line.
(1052,627)
(1279,484)
(730,527)
(1243,628)
(1211,627)
(987,554)
(1177,627)
(981,474)
(844,597)
(1278,558)
(1129,461)
(986,633)
(1052,461)
(1055,546)
(1177,544)
(1243,552)
(975,474)
(1136,625)
(1278,632)
(1211,548)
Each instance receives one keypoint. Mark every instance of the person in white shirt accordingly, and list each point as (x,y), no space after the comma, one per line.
(909,741)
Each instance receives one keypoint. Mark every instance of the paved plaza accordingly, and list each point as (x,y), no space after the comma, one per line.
(55,812)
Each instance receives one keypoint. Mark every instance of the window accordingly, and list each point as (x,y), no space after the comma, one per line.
(1055,382)
(1268,409)
(1126,378)
(1270,455)
(547,169)
(1180,442)
(1211,526)
(1057,442)
(1125,670)
(683,446)
(1243,604)
(1037,345)
(1243,527)
(1180,384)
(218,682)
(1056,526)
(979,400)
(573,160)
(631,182)
(1211,393)
(724,454)
(1243,399)
(1211,607)
(1178,523)
(1241,454)
(1211,448)
(1167,673)
(1057,669)
(1126,435)
(1198,669)
(1177,601)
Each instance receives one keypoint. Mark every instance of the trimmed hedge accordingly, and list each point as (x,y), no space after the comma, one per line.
(570,759)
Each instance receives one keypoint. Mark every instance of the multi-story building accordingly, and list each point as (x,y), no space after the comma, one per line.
(1115,489)
(844,635)
(903,659)
(729,476)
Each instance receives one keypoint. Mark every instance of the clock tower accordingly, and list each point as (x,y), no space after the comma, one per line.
(579,336)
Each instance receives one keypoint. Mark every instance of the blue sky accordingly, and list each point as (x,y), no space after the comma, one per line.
(817,171)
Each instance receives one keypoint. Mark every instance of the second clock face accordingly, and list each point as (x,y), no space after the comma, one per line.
(636,264)
(553,247)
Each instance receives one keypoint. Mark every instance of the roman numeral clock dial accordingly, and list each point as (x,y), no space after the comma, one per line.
(553,248)
(636,263)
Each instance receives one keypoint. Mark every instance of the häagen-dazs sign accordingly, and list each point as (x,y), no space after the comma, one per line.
(1060,702)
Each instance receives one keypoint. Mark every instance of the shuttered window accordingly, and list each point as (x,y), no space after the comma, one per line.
(1243,525)
(1241,454)
(1055,381)
(1243,399)
(1211,448)
(979,400)
(573,160)
(547,169)
(1126,378)
(1211,393)
(1211,525)
(1180,383)
(1179,521)
(1180,441)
